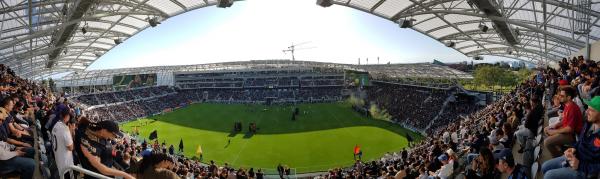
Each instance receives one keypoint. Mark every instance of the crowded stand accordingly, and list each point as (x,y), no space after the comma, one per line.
(127,110)
(554,112)
(452,111)
(480,144)
(409,105)
(121,96)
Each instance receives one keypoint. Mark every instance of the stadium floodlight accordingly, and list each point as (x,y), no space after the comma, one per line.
(83,30)
(98,54)
(324,3)
(118,41)
(450,44)
(484,28)
(153,22)
(407,23)
(224,3)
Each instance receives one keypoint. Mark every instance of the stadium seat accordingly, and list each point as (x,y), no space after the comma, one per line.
(534,170)
(536,153)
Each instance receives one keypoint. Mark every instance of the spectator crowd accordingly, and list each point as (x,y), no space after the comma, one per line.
(477,144)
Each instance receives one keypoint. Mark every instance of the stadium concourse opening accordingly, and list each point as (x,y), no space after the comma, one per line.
(280,118)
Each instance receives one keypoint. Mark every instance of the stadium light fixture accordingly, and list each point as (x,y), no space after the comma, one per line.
(224,3)
(324,3)
(450,44)
(83,29)
(484,28)
(509,51)
(118,41)
(407,23)
(153,21)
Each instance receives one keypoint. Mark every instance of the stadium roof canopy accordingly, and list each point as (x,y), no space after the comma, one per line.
(44,37)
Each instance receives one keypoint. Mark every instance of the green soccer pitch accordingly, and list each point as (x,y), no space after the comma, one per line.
(322,137)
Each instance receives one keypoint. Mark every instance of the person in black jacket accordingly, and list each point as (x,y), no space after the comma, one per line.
(531,122)
(506,165)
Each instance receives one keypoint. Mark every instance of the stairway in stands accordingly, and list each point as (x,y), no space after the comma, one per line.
(441,110)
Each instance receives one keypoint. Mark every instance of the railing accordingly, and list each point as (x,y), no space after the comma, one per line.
(84,171)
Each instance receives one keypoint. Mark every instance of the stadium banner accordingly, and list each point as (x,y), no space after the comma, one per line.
(358,78)
(133,81)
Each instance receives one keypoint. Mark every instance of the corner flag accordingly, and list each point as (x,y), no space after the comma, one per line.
(153,135)
(181,145)
(356,150)
(199,150)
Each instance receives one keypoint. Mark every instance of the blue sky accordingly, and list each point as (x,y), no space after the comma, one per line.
(261,29)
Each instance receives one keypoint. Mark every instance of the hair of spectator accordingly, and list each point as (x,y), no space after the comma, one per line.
(5,101)
(152,160)
(569,91)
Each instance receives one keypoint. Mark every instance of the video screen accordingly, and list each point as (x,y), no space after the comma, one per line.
(134,81)
(358,78)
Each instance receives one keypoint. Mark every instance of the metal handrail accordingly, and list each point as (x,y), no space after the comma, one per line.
(72,168)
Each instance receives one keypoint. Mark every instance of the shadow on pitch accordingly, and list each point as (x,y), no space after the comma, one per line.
(233,133)
(248,135)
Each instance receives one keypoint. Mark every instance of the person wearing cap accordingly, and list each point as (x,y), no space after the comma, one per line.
(506,165)
(445,171)
(571,124)
(583,160)
(562,83)
(95,149)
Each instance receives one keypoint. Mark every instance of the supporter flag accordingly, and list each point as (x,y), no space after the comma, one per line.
(356,150)
(199,150)
(181,144)
(153,135)
(409,138)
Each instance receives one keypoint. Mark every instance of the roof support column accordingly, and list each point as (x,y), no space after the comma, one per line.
(30,14)
(544,7)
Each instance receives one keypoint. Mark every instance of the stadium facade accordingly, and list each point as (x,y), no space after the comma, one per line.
(102,80)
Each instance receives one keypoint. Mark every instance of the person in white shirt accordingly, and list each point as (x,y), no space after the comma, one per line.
(446,169)
(454,137)
(62,142)
(11,159)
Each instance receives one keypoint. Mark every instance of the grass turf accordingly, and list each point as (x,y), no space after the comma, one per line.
(321,139)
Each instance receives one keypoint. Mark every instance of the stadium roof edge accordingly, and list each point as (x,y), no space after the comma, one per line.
(394,70)
(25,46)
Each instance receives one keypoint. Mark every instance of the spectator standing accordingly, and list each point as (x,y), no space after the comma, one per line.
(95,149)
(62,142)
